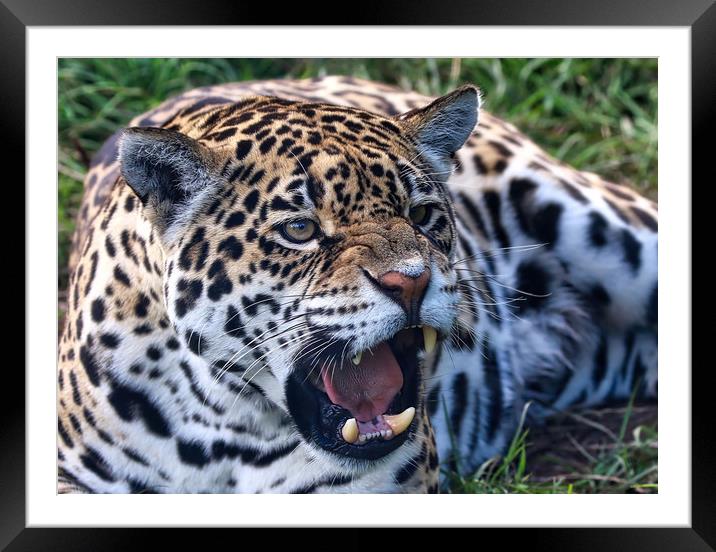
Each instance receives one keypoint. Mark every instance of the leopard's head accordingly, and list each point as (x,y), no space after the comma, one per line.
(308,253)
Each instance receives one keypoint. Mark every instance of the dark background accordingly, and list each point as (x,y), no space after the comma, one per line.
(698,15)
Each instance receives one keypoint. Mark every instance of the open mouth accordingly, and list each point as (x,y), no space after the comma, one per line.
(361,407)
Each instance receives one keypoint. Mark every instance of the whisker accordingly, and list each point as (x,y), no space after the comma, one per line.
(238,355)
(259,359)
(496,251)
(233,360)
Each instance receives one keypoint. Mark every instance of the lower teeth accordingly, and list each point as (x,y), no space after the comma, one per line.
(396,424)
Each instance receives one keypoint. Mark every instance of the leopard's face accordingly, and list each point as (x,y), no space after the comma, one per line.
(308,257)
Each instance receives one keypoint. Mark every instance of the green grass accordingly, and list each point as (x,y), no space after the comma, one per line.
(596,114)
(629,467)
(618,462)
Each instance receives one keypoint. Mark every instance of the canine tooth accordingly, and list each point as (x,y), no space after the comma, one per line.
(430,336)
(400,422)
(356,359)
(350,431)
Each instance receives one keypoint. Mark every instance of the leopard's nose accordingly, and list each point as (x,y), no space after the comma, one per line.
(407,291)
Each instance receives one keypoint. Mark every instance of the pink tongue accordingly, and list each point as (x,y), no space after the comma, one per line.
(367,389)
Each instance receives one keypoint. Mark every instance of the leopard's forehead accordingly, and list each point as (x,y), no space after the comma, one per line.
(279,127)
(285,157)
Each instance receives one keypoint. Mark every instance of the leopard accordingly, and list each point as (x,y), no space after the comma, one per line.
(334,285)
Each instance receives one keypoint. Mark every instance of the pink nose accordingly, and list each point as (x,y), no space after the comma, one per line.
(406,290)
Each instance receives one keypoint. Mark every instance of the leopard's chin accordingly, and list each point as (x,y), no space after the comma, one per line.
(361,408)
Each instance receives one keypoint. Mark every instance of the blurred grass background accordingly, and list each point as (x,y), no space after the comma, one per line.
(598,115)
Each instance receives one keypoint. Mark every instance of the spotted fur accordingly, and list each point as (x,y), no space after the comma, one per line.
(187,308)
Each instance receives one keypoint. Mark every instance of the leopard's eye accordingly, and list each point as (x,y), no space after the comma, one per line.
(299,231)
(420,214)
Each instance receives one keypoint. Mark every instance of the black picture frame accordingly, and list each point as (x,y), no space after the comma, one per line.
(698,15)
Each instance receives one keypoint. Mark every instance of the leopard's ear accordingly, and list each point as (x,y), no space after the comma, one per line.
(442,127)
(168,171)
